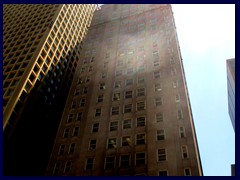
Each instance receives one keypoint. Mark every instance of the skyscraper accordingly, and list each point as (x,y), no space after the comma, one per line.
(42,44)
(231,89)
(128,109)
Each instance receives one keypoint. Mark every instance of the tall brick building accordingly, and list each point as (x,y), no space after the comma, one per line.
(128,109)
(42,43)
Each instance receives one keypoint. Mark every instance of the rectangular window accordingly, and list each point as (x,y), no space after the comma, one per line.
(140,68)
(103,74)
(173,71)
(79,116)
(140,158)
(140,106)
(102,86)
(119,72)
(66,132)
(116,96)
(127,108)
(92,144)
(182,132)
(61,149)
(56,168)
(141,121)
(71,148)
(141,80)
(158,87)
(70,118)
(160,135)
(73,104)
(141,92)
(98,112)
(100,98)
(75,131)
(109,162)
(85,90)
(175,84)
(129,71)
(156,63)
(127,123)
(184,152)
(124,161)
(112,143)
(172,61)
(115,110)
(156,74)
(140,139)
(158,101)
(126,140)
(187,172)
(67,167)
(162,155)
(87,79)
(117,84)
(179,114)
(177,98)
(163,173)
(77,92)
(159,117)
(128,94)
(89,163)
(129,82)
(95,127)
(82,102)
(114,126)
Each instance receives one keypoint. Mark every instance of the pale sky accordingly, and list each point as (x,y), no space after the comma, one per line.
(206,35)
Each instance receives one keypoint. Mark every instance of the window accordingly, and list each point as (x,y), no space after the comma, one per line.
(126,140)
(182,132)
(79,116)
(162,155)
(102,86)
(85,90)
(140,68)
(116,96)
(158,87)
(158,101)
(140,106)
(184,152)
(173,71)
(175,84)
(61,149)
(179,114)
(105,64)
(128,94)
(187,172)
(129,71)
(95,127)
(172,61)
(109,162)
(141,92)
(127,108)
(156,74)
(129,82)
(119,72)
(103,74)
(140,139)
(141,121)
(124,161)
(75,131)
(156,63)
(71,148)
(117,84)
(140,158)
(114,126)
(112,143)
(66,132)
(163,173)
(70,118)
(73,104)
(89,163)
(141,80)
(77,92)
(56,168)
(67,166)
(98,112)
(177,98)
(127,123)
(82,102)
(160,135)
(92,144)
(115,110)
(100,98)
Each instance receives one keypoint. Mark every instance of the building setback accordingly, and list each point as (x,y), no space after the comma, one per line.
(128,109)
(42,44)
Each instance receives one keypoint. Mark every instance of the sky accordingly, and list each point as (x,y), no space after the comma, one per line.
(206,35)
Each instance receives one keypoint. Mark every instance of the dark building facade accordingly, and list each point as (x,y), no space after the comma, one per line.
(128,109)
(42,44)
